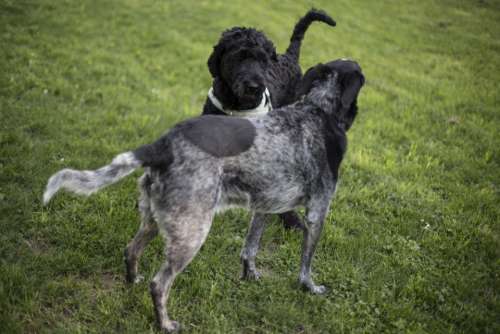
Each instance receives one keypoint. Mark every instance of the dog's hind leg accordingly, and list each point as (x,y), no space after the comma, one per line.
(147,232)
(251,247)
(183,238)
(316,213)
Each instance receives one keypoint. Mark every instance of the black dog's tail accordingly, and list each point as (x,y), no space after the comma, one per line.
(301,27)
(87,182)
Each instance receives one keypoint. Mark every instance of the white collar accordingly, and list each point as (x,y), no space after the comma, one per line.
(263,108)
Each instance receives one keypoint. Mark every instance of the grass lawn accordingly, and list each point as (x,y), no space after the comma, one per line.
(411,245)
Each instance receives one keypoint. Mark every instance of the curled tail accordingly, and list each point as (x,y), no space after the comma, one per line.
(301,27)
(87,182)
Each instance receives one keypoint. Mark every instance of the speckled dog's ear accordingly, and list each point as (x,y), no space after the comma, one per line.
(324,92)
(315,73)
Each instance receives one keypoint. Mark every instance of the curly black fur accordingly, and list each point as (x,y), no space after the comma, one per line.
(244,63)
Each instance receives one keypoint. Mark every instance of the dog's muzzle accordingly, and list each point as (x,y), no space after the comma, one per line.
(263,108)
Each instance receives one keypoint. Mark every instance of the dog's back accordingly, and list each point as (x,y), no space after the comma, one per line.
(276,172)
(264,163)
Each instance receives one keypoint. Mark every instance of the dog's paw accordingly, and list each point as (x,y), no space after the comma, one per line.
(318,289)
(171,327)
(313,288)
(134,279)
(250,275)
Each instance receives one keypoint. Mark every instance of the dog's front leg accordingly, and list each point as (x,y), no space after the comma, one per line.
(252,241)
(316,213)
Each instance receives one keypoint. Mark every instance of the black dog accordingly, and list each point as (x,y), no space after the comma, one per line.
(244,63)
(249,78)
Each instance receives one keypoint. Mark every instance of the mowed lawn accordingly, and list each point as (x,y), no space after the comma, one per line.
(411,244)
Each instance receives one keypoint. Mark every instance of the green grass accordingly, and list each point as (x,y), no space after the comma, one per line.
(412,241)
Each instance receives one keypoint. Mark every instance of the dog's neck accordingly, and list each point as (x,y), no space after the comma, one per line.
(264,107)
(332,120)
(324,98)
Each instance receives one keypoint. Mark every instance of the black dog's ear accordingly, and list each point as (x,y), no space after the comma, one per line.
(352,84)
(215,59)
(271,50)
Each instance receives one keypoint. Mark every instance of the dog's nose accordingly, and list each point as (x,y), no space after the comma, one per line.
(251,88)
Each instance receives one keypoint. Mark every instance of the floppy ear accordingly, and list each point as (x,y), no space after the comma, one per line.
(352,84)
(271,51)
(215,59)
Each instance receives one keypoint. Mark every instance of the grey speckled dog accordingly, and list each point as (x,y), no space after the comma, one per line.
(271,164)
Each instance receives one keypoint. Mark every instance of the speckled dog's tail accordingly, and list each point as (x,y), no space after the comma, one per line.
(301,27)
(87,182)
(157,155)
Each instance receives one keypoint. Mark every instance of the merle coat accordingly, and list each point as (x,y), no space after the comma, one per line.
(271,164)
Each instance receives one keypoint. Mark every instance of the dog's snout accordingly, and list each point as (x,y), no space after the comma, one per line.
(251,88)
